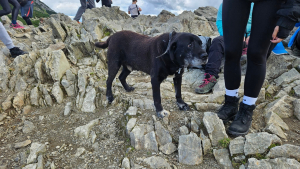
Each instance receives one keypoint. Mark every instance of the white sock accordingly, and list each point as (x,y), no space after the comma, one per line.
(232,93)
(249,100)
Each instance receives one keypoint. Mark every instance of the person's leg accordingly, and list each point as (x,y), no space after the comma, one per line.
(5,38)
(92,3)
(6,8)
(28,21)
(298,40)
(81,10)
(15,10)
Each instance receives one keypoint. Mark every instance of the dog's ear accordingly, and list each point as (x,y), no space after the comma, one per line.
(173,45)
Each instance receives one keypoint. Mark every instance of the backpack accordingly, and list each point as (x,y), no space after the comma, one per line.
(22,2)
(137,9)
(206,42)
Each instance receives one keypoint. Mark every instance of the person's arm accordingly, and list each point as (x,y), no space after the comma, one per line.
(140,9)
(129,10)
(289,15)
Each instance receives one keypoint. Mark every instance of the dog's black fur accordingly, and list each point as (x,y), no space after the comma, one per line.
(140,52)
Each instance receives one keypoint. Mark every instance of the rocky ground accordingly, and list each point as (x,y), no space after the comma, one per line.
(54,112)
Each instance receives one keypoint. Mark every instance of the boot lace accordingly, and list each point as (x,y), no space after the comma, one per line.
(206,80)
(243,115)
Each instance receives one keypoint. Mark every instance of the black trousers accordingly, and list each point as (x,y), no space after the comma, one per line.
(28,21)
(235,17)
(298,40)
(7,10)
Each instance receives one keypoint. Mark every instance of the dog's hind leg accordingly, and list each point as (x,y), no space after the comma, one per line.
(177,84)
(113,68)
(123,76)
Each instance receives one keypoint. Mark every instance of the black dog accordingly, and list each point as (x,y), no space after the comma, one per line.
(159,57)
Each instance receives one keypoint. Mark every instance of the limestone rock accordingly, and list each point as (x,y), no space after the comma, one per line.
(89,100)
(57,93)
(194,126)
(40,164)
(282,107)
(163,135)
(58,31)
(282,163)
(79,151)
(273,118)
(222,157)
(30,166)
(297,108)
(7,103)
(214,127)
(4,73)
(207,106)
(190,150)
(35,150)
(209,12)
(131,111)
(236,146)
(22,144)
(274,129)
(206,144)
(287,151)
(3,116)
(34,96)
(157,162)
(68,108)
(168,148)
(68,82)
(297,91)
(138,133)
(149,142)
(84,131)
(5,19)
(126,163)
(130,125)
(259,142)
(18,101)
(287,77)
(184,130)
(28,127)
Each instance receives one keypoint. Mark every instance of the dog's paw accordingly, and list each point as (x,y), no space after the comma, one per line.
(110,99)
(163,113)
(130,89)
(183,106)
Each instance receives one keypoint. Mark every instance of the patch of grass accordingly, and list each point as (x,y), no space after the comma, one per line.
(275,98)
(79,36)
(224,142)
(259,156)
(273,145)
(292,92)
(268,96)
(148,153)
(92,73)
(106,32)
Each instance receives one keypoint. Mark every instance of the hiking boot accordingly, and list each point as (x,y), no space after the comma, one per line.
(208,83)
(16,26)
(16,52)
(242,121)
(296,51)
(229,109)
(78,22)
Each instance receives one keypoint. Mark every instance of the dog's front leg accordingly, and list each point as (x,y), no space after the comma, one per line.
(177,84)
(160,112)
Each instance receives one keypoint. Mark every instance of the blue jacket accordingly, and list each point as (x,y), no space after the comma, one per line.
(293,38)
(220,25)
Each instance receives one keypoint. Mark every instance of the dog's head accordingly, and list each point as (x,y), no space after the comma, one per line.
(186,50)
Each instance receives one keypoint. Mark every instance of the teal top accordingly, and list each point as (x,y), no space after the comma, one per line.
(220,26)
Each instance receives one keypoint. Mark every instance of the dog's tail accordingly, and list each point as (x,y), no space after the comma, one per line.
(102,45)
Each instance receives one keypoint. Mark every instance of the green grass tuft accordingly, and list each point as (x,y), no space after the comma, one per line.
(224,142)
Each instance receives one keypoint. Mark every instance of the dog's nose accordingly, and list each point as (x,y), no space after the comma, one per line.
(204,55)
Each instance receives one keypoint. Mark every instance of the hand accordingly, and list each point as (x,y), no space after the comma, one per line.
(275,39)
(97,1)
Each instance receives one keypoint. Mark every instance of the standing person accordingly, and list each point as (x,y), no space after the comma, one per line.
(235,16)
(106,3)
(82,8)
(6,10)
(27,12)
(134,9)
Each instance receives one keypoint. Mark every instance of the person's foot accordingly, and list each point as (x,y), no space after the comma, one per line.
(16,26)
(228,111)
(242,121)
(16,52)
(208,83)
(78,22)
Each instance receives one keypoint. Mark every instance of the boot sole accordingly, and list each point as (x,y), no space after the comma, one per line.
(237,134)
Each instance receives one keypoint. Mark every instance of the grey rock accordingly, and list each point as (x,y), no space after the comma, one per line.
(21,85)
(282,163)
(22,144)
(30,166)
(288,77)
(168,148)
(34,96)
(68,108)
(190,150)
(259,142)
(236,146)
(19,101)
(282,107)
(297,108)
(4,73)
(84,131)
(28,127)
(208,12)
(287,150)
(89,100)
(131,111)
(274,129)
(5,19)
(207,106)
(162,134)
(80,151)
(297,91)
(194,126)
(57,93)
(222,157)
(126,163)
(273,118)
(149,142)
(214,127)
(206,144)
(58,31)
(35,150)
(130,125)
(183,130)
(242,167)
(157,162)
(137,134)
(40,164)
(3,116)
(239,159)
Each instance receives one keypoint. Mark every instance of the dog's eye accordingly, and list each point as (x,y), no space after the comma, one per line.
(190,45)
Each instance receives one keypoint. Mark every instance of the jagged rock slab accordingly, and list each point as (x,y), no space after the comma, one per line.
(287,151)
(183,130)
(274,129)
(138,133)
(131,111)
(259,142)
(206,144)
(207,106)
(297,108)
(162,134)
(222,157)
(280,163)
(30,166)
(84,131)
(149,142)
(157,162)
(287,77)
(58,31)
(28,127)
(168,148)
(214,127)
(88,105)
(236,146)
(273,118)
(208,12)
(130,125)
(282,107)
(57,93)
(35,150)
(34,96)
(22,144)
(126,163)
(18,101)
(68,108)
(190,150)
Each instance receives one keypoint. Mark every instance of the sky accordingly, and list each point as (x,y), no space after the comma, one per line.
(149,7)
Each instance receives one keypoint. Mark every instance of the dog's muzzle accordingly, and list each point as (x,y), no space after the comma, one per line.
(204,56)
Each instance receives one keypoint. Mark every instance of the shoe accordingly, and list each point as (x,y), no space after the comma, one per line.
(296,51)
(208,83)
(78,22)
(16,26)
(16,52)
(242,121)
(228,111)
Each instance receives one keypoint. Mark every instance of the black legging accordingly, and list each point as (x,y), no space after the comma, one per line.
(298,40)
(235,18)
(28,21)
(6,8)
